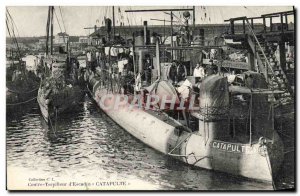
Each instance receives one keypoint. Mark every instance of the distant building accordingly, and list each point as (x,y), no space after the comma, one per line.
(211,31)
(42,41)
(83,40)
(61,38)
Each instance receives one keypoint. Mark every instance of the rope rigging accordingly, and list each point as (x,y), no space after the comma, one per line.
(62,18)
(13,23)
(57,21)
(11,32)
(24,92)
(20,103)
(62,23)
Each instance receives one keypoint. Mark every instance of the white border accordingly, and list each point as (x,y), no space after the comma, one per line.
(103,3)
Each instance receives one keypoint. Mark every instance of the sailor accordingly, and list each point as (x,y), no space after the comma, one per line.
(40,68)
(147,70)
(103,70)
(210,69)
(97,57)
(94,61)
(74,71)
(89,59)
(213,53)
(172,72)
(181,72)
(199,71)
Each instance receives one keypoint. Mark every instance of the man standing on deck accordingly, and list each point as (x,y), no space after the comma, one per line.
(147,70)
(181,72)
(199,71)
(210,69)
(89,59)
(94,61)
(97,57)
(172,72)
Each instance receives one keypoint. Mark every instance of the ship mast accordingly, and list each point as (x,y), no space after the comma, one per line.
(171,15)
(113,15)
(51,41)
(47,32)
(49,28)
(11,32)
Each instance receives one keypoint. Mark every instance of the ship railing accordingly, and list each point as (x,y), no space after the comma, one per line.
(237,90)
(261,22)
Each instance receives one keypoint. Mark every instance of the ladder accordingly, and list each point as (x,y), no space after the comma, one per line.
(265,66)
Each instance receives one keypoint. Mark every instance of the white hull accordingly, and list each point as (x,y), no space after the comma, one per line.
(238,159)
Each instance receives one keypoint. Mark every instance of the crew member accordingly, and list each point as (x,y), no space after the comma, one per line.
(147,70)
(199,71)
(89,59)
(172,72)
(210,69)
(181,72)
(94,62)
(97,57)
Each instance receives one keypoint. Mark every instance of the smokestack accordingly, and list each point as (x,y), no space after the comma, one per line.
(145,32)
(201,37)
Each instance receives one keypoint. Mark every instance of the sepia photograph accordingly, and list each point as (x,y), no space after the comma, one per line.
(150,98)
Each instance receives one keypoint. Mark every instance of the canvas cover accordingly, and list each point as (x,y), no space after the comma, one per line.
(214,96)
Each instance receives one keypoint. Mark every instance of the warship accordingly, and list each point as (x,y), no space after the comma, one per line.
(220,121)
(60,89)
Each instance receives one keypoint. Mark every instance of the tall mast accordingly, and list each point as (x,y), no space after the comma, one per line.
(47,29)
(194,19)
(51,41)
(172,34)
(113,13)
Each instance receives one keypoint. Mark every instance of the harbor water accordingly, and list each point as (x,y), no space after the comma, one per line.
(86,143)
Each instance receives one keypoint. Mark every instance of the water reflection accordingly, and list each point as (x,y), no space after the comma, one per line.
(87,143)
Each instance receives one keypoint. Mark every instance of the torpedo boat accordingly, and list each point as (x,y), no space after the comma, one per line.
(60,89)
(208,122)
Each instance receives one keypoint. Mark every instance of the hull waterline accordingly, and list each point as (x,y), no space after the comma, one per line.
(250,161)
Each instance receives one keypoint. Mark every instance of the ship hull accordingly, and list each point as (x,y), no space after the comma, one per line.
(19,95)
(69,99)
(251,161)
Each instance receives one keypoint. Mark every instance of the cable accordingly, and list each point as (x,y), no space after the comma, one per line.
(13,104)
(19,92)
(12,34)
(62,18)
(13,23)
(58,21)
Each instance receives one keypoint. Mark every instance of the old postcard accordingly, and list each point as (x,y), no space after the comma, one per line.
(150,98)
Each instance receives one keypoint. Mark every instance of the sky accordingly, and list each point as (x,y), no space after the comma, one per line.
(31,20)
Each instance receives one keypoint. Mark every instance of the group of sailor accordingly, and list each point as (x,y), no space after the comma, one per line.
(122,71)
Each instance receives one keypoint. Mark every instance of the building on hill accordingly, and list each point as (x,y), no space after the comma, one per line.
(83,39)
(61,38)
